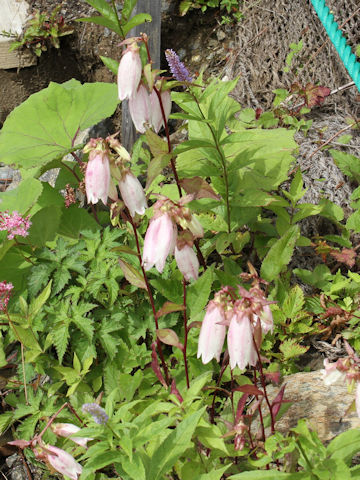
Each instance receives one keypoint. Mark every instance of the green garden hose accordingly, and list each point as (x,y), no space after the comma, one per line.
(338,40)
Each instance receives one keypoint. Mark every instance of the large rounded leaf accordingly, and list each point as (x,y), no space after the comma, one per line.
(45,126)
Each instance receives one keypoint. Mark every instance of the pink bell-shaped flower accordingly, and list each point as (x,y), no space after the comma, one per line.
(129,72)
(97,177)
(187,262)
(212,333)
(68,430)
(157,120)
(139,108)
(60,461)
(240,341)
(132,194)
(159,242)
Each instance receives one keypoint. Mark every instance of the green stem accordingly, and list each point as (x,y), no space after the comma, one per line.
(118,19)
(223,163)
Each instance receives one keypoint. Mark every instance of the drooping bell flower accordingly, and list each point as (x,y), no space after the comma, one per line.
(68,430)
(156,117)
(129,72)
(240,341)
(97,175)
(186,258)
(139,108)
(159,242)
(212,333)
(59,460)
(132,193)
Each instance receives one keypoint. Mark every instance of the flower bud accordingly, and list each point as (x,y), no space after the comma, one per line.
(67,430)
(212,333)
(159,242)
(157,120)
(59,460)
(97,177)
(129,73)
(132,194)
(139,108)
(187,262)
(240,341)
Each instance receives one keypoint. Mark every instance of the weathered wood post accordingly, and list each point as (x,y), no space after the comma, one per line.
(153,29)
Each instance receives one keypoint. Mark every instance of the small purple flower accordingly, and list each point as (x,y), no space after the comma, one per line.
(15,224)
(177,68)
(97,412)
(5,290)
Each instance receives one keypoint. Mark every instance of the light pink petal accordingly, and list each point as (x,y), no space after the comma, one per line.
(212,335)
(97,177)
(133,194)
(139,107)
(241,347)
(63,462)
(129,73)
(159,241)
(187,262)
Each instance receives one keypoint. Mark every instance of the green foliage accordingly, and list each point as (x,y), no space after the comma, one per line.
(41,31)
(87,324)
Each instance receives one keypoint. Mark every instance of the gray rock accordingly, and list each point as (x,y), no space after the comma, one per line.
(323,406)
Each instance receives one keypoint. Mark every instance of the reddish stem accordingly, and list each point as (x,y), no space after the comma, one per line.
(151,298)
(186,335)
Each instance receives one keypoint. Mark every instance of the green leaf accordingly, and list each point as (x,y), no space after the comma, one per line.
(198,292)
(75,220)
(40,300)
(111,64)
(23,197)
(103,460)
(136,20)
(348,164)
(6,419)
(132,275)
(271,475)
(45,225)
(291,349)
(279,254)
(47,123)
(173,446)
(294,302)
(345,445)
(214,474)
(156,166)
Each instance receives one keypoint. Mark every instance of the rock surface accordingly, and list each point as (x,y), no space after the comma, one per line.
(323,406)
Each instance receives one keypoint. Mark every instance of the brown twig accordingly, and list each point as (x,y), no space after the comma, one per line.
(329,140)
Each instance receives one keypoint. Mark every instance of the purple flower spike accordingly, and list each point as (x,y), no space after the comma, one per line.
(177,68)
(97,412)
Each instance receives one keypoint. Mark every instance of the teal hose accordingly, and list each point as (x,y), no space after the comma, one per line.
(338,40)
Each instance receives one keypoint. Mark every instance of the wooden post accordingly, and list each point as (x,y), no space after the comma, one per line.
(153,30)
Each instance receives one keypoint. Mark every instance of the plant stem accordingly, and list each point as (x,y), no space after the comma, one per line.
(223,163)
(118,19)
(151,298)
(263,384)
(185,335)
(50,421)
(22,355)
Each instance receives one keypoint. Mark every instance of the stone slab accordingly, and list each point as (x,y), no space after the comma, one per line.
(13,16)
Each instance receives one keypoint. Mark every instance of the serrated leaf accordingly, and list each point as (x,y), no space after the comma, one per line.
(294,302)
(40,300)
(6,419)
(290,349)
(60,336)
(47,123)
(173,446)
(39,276)
(279,254)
